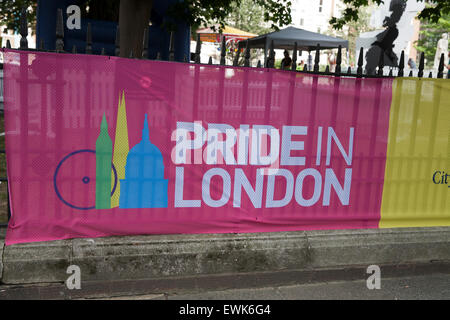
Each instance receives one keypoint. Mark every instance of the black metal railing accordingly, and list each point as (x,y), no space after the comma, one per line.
(270,63)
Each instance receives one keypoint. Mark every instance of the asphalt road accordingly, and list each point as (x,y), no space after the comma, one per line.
(426,287)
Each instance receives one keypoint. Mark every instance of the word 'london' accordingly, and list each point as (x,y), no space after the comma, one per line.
(260,145)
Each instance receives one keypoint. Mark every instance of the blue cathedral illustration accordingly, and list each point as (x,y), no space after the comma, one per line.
(144,185)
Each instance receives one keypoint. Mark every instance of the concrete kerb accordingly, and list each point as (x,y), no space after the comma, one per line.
(2,245)
(162,256)
(182,255)
(36,262)
(378,246)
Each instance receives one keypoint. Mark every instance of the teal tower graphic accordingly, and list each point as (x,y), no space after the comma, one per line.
(103,154)
(144,185)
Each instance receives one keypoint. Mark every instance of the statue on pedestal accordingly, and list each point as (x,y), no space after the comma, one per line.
(442,48)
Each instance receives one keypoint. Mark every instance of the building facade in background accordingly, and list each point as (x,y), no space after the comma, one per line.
(314,15)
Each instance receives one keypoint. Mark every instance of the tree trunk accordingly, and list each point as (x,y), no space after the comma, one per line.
(134,17)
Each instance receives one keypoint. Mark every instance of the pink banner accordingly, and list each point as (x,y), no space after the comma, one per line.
(100,146)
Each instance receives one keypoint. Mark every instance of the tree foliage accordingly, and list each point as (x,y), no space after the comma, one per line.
(429,35)
(432,12)
(248,16)
(352,30)
(206,12)
(10,13)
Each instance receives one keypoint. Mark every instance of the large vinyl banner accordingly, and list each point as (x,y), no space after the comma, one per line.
(100,146)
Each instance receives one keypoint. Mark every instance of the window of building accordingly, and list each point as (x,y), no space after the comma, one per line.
(320,5)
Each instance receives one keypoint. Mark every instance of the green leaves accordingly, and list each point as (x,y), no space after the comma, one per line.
(10,13)
(350,13)
(434,10)
(430,33)
(248,16)
(210,12)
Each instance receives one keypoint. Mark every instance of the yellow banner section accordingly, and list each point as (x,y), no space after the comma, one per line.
(416,189)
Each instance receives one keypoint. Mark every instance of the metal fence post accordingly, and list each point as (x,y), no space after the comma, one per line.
(271,60)
(440,74)
(421,65)
(117,42)
(23,29)
(198,49)
(401,64)
(247,55)
(294,58)
(317,59)
(145,44)
(359,71)
(338,61)
(59,45)
(172,47)
(223,51)
(89,39)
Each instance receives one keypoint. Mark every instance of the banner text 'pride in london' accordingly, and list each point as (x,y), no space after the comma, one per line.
(279,154)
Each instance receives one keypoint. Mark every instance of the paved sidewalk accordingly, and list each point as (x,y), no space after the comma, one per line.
(413,281)
(435,286)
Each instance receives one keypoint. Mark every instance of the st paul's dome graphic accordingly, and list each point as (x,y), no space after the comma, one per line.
(144,185)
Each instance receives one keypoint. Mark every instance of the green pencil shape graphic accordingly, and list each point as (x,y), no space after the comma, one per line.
(103,155)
